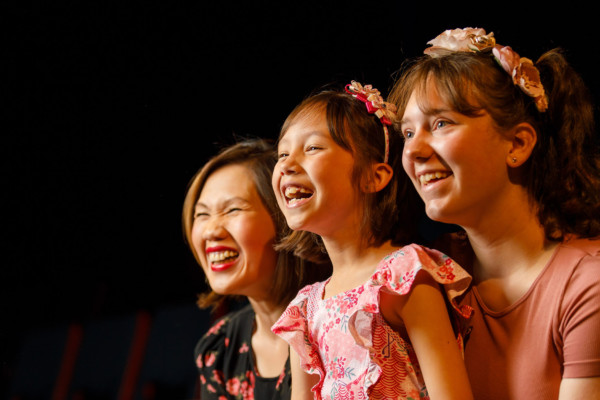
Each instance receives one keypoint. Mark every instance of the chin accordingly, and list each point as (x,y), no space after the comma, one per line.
(438,215)
(294,224)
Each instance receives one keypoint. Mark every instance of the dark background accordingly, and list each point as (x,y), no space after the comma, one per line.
(110,108)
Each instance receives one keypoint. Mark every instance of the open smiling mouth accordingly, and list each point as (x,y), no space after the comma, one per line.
(433,177)
(222,257)
(295,194)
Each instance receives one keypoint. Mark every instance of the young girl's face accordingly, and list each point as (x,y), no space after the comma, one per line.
(457,163)
(312,178)
(233,234)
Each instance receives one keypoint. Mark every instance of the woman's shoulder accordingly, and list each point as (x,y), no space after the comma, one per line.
(226,329)
(582,247)
(575,260)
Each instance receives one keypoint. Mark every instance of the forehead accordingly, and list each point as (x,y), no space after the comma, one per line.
(440,92)
(233,180)
(425,99)
(311,121)
(308,110)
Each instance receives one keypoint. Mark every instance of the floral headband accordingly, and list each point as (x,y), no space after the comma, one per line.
(524,74)
(386,112)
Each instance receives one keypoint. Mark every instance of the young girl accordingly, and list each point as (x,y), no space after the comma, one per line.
(505,148)
(379,327)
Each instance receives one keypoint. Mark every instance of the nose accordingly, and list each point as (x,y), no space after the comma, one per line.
(417,148)
(288,165)
(213,229)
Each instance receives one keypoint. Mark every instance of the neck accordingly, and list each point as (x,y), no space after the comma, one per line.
(270,351)
(353,262)
(267,313)
(508,243)
(510,253)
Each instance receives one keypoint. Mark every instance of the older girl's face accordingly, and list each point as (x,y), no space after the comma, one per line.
(457,163)
(233,234)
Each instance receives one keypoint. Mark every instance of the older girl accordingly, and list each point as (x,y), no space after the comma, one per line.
(505,148)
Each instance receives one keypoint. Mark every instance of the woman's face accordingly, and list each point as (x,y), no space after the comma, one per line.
(456,162)
(312,179)
(233,234)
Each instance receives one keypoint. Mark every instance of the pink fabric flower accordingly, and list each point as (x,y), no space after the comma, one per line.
(209,359)
(233,386)
(244,348)
(247,387)
(215,328)
(467,39)
(524,74)
(218,377)
(385,111)
(521,69)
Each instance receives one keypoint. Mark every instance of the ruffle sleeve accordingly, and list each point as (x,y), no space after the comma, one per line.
(293,327)
(398,271)
(396,274)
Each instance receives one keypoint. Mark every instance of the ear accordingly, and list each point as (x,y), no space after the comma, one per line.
(381,176)
(524,138)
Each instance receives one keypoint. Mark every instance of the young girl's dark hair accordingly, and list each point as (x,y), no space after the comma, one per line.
(389,214)
(562,175)
(258,155)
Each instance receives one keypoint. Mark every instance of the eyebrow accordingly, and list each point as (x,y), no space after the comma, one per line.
(307,134)
(224,203)
(428,112)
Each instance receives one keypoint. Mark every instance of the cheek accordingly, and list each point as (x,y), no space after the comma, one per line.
(275,181)
(407,165)
(253,235)
(275,186)
(196,237)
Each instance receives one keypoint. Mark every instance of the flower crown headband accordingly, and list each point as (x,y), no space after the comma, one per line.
(524,74)
(386,112)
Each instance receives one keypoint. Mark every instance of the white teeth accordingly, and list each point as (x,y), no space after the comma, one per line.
(219,256)
(426,178)
(292,190)
(294,194)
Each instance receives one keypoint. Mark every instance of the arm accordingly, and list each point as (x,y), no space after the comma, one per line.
(301,381)
(580,322)
(426,319)
(580,388)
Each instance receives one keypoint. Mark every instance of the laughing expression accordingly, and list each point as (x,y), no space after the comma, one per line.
(312,179)
(456,162)
(233,234)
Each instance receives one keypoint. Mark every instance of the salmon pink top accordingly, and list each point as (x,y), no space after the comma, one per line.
(551,333)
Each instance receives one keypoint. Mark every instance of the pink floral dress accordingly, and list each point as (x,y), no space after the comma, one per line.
(345,340)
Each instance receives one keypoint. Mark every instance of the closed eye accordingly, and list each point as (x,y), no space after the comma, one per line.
(198,215)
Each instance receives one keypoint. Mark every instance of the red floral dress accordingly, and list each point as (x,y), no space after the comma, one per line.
(345,340)
(226,364)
